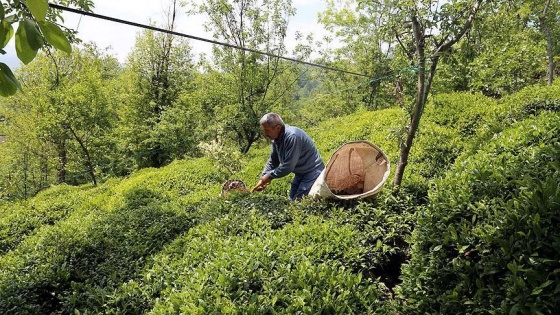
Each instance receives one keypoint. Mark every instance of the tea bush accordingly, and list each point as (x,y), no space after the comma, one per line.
(530,101)
(237,263)
(385,230)
(22,218)
(450,122)
(261,254)
(534,99)
(488,241)
(78,260)
(475,224)
(75,263)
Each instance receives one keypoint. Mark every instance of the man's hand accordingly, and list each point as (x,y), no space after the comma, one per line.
(263,182)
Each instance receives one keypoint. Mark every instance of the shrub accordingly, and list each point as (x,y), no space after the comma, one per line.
(237,263)
(487,243)
(22,218)
(462,112)
(77,262)
(534,99)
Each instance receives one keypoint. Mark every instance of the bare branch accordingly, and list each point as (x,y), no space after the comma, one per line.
(446,46)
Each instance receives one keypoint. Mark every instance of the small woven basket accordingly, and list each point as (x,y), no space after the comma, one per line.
(233,185)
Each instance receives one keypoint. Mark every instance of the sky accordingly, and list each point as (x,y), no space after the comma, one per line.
(120,38)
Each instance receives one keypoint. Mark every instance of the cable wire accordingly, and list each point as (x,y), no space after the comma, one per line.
(153,28)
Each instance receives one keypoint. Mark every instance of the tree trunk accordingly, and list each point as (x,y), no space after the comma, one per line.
(62,162)
(549,43)
(423,86)
(25,170)
(418,104)
(89,164)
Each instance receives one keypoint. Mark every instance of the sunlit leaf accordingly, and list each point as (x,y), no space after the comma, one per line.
(6,33)
(24,50)
(55,36)
(33,35)
(8,83)
(38,8)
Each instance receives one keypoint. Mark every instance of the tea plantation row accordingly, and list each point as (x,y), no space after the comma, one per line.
(474,229)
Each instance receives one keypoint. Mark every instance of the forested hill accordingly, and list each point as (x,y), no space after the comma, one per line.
(473,230)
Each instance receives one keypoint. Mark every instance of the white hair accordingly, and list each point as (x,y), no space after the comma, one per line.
(272,120)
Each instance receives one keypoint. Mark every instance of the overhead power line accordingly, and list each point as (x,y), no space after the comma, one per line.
(153,28)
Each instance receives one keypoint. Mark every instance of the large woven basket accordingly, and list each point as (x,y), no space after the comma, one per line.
(356,169)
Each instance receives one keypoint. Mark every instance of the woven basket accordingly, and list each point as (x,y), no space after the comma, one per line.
(356,169)
(233,185)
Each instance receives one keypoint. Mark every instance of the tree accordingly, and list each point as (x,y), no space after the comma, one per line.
(421,32)
(544,14)
(61,120)
(159,71)
(24,161)
(365,50)
(258,80)
(36,29)
(507,55)
(506,50)
(424,32)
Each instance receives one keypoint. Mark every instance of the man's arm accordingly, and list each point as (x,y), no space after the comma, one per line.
(272,161)
(292,155)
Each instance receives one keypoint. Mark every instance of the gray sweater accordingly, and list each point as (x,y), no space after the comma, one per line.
(293,151)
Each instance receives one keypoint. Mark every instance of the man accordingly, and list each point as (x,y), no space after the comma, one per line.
(292,151)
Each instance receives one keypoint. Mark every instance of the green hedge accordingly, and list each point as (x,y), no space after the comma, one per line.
(488,243)
(485,238)
(22,218)
(104,241)
(238,264)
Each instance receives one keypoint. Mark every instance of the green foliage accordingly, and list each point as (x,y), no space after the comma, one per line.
(326,106)
(28,40)
(385,228)
(94,244)
(517,66)
(251,84)
(476,228)
(487,242)
(374,126)
(102,256)
(505,52)
(38,8)
(530,101)
(238,264)
(227,159)
(23,218)
(364,50)
(156,116)
(533,100)
(9,83)
(59,129)
(451,122)
(463,113)
(36,29)
(55,36)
